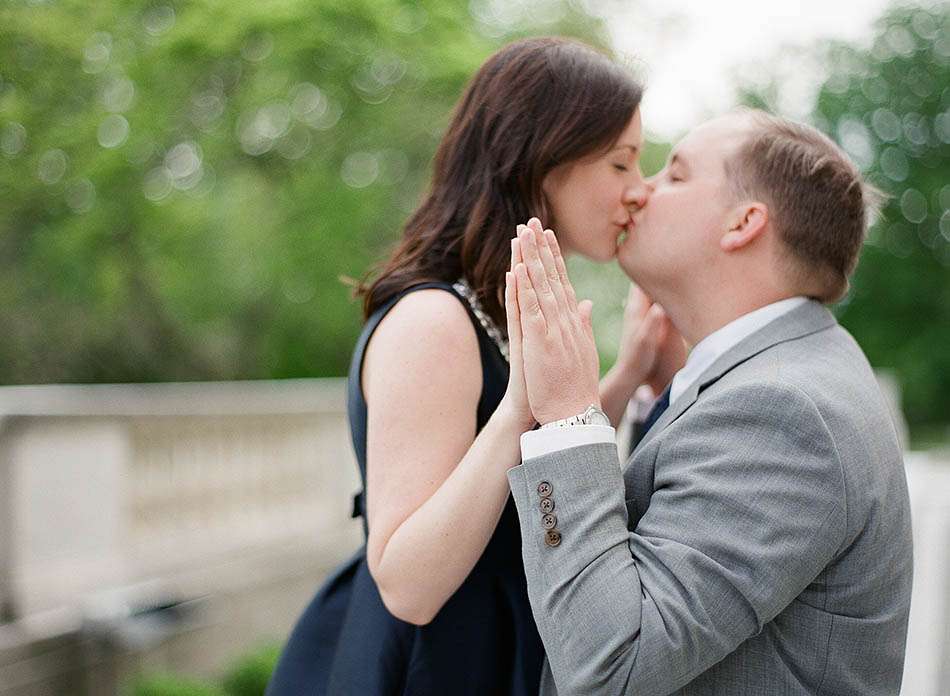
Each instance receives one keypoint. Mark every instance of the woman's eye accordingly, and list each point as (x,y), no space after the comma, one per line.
(620,167)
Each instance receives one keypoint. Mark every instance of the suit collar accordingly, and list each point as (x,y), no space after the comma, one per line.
(806,319)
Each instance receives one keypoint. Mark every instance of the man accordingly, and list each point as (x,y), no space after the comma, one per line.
(758,539)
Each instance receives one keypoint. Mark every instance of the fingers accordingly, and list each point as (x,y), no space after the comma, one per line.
(516,256)
(585,310)
(638,303)
(514,321)
(551,271)
(532,318)
(561,269)
(538,277)
(663,330)
(653,322)
(637,292)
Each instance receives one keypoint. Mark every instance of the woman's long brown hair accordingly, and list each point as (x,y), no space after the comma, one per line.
(535,104)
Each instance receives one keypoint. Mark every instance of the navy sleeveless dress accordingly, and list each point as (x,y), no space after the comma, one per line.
(483,641)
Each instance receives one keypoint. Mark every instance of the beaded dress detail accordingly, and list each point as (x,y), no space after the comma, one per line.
(494,333)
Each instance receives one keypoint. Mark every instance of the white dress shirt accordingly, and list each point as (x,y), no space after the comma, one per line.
(536,443)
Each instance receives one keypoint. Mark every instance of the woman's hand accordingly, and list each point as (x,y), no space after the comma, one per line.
(560,356)
(514,404)
(646,330)
(651,351)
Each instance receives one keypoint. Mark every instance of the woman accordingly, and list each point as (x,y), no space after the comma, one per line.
(436,603)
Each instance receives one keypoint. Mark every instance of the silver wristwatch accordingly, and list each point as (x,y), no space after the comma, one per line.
(591,416)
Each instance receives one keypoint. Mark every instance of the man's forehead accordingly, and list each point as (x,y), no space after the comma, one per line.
(714,139)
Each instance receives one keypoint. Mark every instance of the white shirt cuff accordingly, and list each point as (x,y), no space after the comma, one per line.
(537,443)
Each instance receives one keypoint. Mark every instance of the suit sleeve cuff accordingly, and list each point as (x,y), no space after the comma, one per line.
(537,443)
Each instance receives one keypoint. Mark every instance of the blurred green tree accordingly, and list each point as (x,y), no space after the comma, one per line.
(183,182)
(888,105)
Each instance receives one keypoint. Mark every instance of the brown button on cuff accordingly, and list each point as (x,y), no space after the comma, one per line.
(547,505)
(552,537)
(549,521)
(544,489)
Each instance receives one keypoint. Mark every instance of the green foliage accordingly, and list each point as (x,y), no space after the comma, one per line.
(894,99)
(898,94)
(888,104)
(167,685)
(185,181)
(249,675)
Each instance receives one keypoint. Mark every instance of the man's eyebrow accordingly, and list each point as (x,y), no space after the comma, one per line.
(677,158)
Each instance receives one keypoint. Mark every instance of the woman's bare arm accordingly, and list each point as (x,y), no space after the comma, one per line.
(435,492)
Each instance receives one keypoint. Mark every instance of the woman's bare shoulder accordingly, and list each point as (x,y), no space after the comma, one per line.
(427,334)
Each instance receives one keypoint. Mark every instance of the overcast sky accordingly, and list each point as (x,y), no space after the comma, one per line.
(690,50)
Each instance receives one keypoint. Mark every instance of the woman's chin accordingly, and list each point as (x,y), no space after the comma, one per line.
(609,252)
(600,255)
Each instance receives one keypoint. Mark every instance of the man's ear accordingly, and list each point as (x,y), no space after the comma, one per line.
(747,223)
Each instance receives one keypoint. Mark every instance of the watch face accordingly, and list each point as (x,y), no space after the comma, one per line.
(597,417)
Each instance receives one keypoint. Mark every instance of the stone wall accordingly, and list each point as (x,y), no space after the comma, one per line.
(225,503)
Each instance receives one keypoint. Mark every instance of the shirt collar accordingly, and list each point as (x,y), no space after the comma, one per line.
(707,351)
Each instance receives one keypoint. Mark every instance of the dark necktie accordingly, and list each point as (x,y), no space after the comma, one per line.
(658,408)
(641,429)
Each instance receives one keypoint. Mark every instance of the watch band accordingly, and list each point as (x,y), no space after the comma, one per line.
(591,414)
(566,422)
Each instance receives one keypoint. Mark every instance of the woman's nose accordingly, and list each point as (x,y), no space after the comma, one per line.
(639,193)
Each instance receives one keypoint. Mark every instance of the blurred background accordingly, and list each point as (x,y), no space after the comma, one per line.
(186,187)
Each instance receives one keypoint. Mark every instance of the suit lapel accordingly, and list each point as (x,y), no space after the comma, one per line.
(806,319)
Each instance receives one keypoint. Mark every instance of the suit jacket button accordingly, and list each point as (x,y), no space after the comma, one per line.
(552,537)
(547,505)
(544,489)
(549,521)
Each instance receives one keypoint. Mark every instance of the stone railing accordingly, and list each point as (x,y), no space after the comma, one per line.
(111,485)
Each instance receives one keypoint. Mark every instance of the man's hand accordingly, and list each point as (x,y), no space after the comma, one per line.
(561,365)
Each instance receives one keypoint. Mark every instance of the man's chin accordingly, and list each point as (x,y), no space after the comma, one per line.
(626,259)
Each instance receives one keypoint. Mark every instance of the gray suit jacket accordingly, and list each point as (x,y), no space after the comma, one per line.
(757,541)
